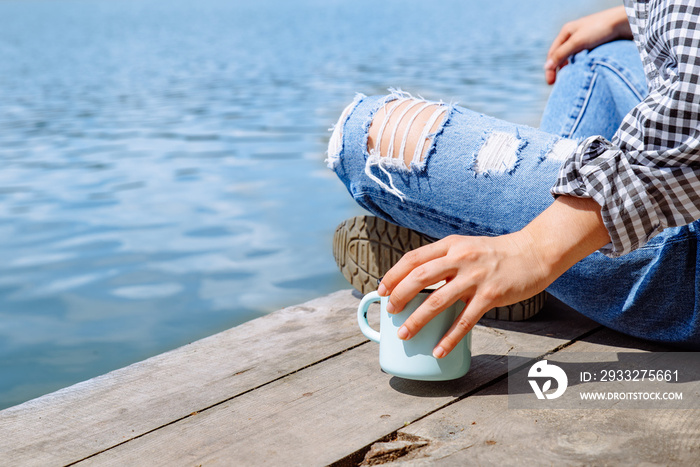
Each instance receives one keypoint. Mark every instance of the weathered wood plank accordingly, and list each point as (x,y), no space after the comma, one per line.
(329,410)
(86,418)
(481,429)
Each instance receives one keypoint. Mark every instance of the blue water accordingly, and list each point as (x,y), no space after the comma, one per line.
(162,161)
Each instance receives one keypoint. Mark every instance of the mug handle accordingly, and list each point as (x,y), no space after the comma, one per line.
(368,299)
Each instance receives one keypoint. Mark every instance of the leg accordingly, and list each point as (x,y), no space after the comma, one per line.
(399,138)
(474,175)
(482,176)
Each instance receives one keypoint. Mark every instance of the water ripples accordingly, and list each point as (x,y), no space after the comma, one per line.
(163,174)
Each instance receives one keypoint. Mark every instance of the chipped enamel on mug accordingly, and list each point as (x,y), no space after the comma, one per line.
(413,358)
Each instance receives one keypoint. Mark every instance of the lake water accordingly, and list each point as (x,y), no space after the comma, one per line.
(162,161)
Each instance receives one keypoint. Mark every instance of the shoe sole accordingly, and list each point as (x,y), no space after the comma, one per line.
(366,247)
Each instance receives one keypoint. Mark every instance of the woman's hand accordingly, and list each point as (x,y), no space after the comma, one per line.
(586,33)
(486,272)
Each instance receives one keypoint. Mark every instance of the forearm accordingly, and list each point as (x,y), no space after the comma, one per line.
(565,233)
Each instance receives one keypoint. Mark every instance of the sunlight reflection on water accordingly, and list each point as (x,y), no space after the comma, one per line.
(163,174)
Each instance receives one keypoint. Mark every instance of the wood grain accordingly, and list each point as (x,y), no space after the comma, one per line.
(86,418)
(481,429)
(329,410)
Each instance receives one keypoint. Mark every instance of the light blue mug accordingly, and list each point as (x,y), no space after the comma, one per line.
(413,358)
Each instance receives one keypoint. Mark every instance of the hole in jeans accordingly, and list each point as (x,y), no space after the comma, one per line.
(562,150)
(498,154)
(402,130)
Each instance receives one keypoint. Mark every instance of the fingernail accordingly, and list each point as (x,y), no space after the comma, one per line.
(439,352)
(381,290)
(403,333)
(389,307)
(549,64)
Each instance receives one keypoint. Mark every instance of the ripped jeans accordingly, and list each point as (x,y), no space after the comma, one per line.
(460,172)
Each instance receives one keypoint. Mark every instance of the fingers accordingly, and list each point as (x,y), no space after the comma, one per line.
(562,37)
(551,65)
(563,52)
(436,303)
(464,323)
(464,263)
(550,75)
(586,33)
(408,263)
(418,279)
(567,43)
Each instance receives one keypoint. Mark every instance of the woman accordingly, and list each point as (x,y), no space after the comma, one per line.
(619,148)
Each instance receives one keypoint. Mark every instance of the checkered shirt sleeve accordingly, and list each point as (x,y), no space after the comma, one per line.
(647,178)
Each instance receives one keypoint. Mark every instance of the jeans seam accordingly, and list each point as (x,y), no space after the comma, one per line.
(621,75)
(582,109)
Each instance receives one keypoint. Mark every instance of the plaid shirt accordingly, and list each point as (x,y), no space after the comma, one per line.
(647,178)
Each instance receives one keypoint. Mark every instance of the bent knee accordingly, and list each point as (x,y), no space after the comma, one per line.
(335,144)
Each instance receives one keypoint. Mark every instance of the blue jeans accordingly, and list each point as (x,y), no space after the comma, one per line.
(484,176)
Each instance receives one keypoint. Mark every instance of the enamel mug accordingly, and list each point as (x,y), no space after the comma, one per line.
(413,358)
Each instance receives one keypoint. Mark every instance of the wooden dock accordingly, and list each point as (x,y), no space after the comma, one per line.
(302,386)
